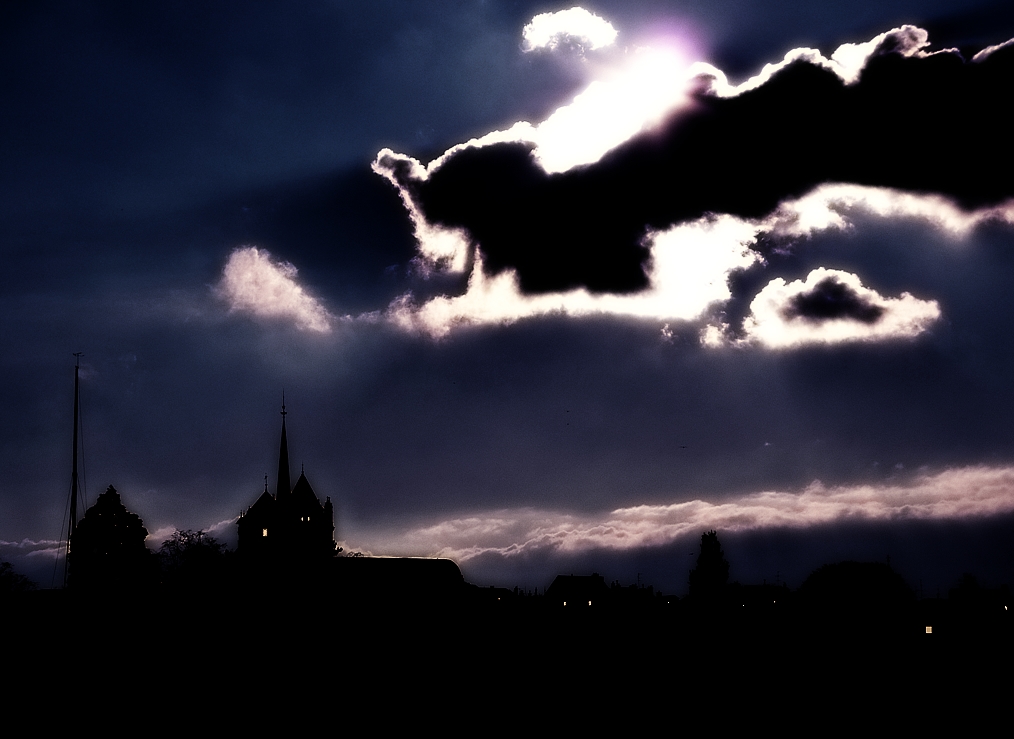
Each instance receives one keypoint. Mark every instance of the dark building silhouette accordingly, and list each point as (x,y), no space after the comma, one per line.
(405,582)
(856,586)
(291,524)
(578,591)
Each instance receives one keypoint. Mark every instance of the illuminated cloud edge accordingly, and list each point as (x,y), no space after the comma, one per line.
(772,321)
(495,296)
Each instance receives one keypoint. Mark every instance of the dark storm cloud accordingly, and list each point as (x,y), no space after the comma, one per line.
(830,299)
(920,123)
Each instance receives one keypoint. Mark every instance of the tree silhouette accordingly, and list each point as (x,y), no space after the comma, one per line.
(108,551)
(11,582)
(711,575)
(191,559)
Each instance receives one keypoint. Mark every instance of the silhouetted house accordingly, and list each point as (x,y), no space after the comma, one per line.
(857,597)
(292,524)
(856,586)
(403,581)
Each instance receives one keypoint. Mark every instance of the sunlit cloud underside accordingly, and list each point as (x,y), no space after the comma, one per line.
(963,493)
(690,267)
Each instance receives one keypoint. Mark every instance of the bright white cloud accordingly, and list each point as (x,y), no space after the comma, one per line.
(771,323)
(577,25)
(252,282)
(954,494)
(612,110)
(689,270)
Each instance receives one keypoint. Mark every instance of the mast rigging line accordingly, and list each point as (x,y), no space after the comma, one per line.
(76,490)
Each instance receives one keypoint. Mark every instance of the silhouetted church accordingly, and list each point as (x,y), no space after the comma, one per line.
(290,524)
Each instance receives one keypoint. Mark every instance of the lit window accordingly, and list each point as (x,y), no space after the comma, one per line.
(589,602)
(929,629)
(264,532)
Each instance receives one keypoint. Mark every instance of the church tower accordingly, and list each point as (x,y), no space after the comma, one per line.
(283,487)
(292,524)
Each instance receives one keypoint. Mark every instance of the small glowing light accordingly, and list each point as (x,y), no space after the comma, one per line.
(564,602)
(589,602)
(929,629)
(264,532)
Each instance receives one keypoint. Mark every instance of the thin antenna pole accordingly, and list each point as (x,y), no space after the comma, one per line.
(73,475)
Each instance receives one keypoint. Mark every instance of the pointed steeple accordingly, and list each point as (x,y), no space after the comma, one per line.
(284,487)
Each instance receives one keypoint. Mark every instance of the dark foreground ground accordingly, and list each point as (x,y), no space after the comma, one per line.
(236,659)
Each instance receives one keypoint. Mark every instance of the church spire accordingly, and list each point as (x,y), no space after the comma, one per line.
(284,487)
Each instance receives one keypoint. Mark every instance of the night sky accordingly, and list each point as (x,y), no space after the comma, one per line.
(546,292)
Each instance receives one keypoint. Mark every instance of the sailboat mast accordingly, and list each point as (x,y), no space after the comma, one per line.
(72,527)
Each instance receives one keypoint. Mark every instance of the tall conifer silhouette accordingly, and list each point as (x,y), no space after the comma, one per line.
(709,578)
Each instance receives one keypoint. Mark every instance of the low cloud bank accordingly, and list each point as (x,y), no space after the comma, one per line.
(44,548)
(954,494)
